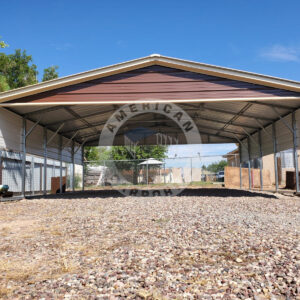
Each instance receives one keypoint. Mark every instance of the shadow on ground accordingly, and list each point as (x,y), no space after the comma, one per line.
(188,192)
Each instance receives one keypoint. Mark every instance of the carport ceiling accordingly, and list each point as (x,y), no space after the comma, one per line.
(226,104)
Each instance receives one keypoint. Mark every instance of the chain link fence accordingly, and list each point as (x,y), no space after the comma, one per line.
(11,173)
(168,171)
(177,171)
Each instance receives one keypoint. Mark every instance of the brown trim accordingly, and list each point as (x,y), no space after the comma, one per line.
(152,60)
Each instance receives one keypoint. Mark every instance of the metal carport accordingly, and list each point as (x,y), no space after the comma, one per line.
(258,112)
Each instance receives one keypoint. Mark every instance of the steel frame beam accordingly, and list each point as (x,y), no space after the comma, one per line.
(44,110)
(232,140)
(80,117)
(45,161)
(260,161)
(275,154)
(32,128)
(224,122)
(55,133)
(295,149)
(60,164)
(204,107)
(73,166)
(273,105)
(249,164)
(250,136)
(240,153)
(23,156)
(283,120)
(82,162)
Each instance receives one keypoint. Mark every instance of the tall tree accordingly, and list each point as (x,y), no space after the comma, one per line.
(3,84)
(50,73)
(3,44)
(140,152)
(124,159)
(217,166)
(18,69)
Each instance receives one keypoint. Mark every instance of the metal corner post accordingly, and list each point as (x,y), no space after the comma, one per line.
(249,163)
(45,162)
(295,150)
(82,162)
(73,166)
(260,161)
(240,153)
(275,154)
(23,156)
(60,164)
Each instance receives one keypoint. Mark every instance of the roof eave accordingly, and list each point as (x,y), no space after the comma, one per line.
(145,62)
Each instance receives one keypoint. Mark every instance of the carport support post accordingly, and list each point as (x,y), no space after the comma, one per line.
(73,167)
(191,169)
(23,156)
(45,162)
(60,164)
(249,163)
(82,162)
(295,146)
(275,154)
(240,151)
(260,161)
(32,176)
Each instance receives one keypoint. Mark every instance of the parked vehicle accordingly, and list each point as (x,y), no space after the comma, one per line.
(220,176)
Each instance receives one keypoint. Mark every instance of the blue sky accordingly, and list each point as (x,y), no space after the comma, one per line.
(258,36)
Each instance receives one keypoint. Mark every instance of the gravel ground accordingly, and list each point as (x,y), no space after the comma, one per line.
(238,246)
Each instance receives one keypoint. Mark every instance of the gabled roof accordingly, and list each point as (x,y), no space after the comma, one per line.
(154,59)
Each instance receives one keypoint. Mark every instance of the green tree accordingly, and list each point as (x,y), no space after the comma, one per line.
(96,154)
(124,158)
(217,166)
(18,69)
(140,152)
(3,84)
(3,44)
(50,73)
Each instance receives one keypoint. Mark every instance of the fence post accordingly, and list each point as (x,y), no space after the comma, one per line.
(275,154)
(260,161)
(45,162)
(23,156)
(191,169)
(147,175)
(295,146)
(249,163)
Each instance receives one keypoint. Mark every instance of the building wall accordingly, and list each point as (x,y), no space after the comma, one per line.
(10,138)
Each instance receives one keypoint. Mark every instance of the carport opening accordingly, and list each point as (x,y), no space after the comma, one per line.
(46,128)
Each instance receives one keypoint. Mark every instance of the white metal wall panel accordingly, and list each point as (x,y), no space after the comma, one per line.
(284,135)
(244,151)
(10,130)
(254,146)
(266,141)
(297,118)
(10,138)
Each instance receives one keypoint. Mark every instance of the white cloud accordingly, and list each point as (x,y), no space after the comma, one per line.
(62,46)
(281,53)
(213,150)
